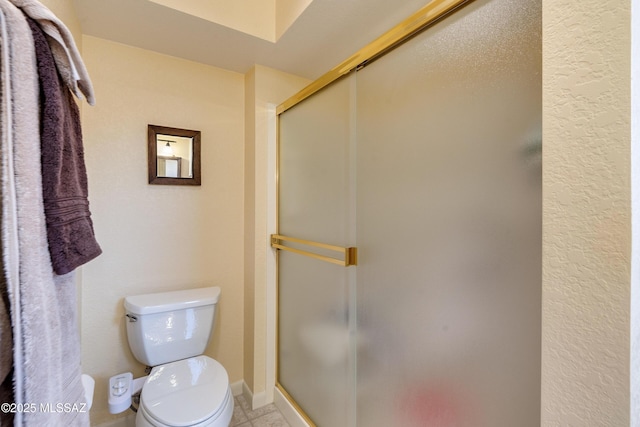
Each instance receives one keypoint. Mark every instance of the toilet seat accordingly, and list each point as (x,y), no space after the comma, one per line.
(189,392)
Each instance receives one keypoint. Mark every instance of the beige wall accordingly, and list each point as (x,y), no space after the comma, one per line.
(586,211)
(159,238)
(635,162)
(263,87)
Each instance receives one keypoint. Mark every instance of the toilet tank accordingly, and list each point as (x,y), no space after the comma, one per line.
(169,326)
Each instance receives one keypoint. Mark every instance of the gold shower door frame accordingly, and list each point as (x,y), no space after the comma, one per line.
(419,21)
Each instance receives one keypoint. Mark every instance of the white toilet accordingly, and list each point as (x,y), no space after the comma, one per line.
(169,331)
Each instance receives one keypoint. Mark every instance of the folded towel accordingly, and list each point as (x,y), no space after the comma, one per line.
(17,57)
(66,54)
(43,305)
(9,231)
(64,178)
(6,354)
(6,338)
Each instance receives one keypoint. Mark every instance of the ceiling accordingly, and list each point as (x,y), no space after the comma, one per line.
(325,34)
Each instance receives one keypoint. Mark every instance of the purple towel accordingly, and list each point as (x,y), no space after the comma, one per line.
(70,233)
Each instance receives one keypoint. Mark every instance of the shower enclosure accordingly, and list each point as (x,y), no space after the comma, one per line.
(426,158)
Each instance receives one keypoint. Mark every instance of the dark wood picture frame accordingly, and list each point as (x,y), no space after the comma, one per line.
(152,134)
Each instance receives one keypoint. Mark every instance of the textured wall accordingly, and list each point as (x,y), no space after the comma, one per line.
(263,86)
(635,182)
(249,226)
(586,207)
(156,237)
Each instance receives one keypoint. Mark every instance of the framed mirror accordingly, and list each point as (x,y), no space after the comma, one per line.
(174,156)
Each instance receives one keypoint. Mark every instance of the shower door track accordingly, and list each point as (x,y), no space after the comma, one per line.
(420,20)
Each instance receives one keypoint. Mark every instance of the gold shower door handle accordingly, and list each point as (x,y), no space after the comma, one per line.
(350,255)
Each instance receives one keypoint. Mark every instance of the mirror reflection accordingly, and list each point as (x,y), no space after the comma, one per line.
(174,156)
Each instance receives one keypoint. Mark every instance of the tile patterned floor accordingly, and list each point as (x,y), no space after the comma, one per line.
(267,416)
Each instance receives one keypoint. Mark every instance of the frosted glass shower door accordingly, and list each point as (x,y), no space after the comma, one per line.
(449,224)
(315,361)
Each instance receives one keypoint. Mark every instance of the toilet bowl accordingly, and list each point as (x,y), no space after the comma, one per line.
(193,392)
(168,332)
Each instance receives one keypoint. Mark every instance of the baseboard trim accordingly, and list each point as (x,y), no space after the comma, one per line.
(288,411)
(257,400)
(260,400)
(236,388)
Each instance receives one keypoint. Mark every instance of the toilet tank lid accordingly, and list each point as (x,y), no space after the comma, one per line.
(169,301)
